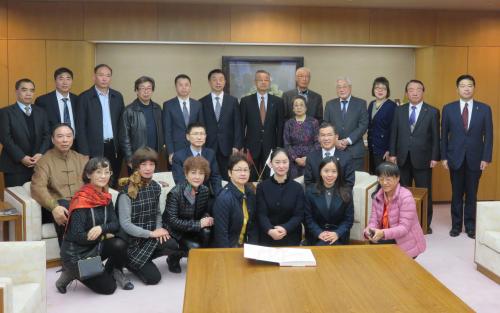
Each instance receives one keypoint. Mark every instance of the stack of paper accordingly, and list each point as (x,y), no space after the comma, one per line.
(281,256)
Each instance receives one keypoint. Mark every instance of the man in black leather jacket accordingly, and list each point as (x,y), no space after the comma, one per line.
(141,123)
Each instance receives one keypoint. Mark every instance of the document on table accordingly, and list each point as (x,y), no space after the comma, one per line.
(282,256)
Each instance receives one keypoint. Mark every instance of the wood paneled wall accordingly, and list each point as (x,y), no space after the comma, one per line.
(33,43)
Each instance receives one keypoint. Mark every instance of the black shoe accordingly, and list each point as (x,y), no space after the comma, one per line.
(64,280)
(173,264)
(471,234)
(429,230)
(454,232)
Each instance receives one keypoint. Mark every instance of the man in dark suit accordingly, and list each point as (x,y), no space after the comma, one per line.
(99,112)
(262,120)
(221,113)
(349,116)
(178,113)
(196,136)
(414,141)
(314,101)
(60,104)
(466,149)
(24,134)
(327,139)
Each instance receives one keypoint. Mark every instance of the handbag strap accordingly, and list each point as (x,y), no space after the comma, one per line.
(93,223)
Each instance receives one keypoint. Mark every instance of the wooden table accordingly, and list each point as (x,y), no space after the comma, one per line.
(357,278)
(5,220)
(421,200)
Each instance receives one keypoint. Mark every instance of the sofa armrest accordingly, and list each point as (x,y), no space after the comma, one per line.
(166,180)
(488,215)
(6,303)
(20,198)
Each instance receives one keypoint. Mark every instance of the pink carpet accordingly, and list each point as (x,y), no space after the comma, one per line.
(450,260)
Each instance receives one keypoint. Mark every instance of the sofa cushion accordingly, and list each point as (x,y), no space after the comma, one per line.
(27,298)
(48,231)
(491,239)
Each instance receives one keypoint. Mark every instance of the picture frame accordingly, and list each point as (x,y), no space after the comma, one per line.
(240,73)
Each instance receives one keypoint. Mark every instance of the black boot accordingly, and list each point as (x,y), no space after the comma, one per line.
(64,280)
(173,262)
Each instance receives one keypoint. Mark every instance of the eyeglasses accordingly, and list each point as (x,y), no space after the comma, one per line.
(241,170)
(388,179)
(145,89)
(103,173)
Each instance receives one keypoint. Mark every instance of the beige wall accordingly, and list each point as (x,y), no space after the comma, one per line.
(164,62)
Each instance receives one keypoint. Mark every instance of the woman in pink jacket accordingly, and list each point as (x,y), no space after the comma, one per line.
(394,215)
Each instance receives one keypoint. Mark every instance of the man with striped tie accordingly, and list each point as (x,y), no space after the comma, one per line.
(221,113)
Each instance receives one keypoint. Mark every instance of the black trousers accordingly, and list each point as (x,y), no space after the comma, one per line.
(115,251)
(16,179)
(48,218)
(149,272)
(115,159)
(358,164)
(192,240)
(375,161)
(222,162)
(464,183)
(260,163)
(422,178)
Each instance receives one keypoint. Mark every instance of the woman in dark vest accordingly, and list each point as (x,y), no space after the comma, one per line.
(280,205)
(186,213)
(140,218)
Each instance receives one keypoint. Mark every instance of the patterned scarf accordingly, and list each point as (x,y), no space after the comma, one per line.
(134,182)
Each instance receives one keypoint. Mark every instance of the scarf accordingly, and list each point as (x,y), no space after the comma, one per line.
(88,197)
(134,182)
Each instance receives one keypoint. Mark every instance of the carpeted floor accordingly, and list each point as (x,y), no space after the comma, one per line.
(450,260)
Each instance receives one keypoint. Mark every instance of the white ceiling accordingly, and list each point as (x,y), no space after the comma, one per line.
(400,4)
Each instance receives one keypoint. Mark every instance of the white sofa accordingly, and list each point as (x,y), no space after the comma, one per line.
(365,184)
(487,254)
(20,198)
(22,277)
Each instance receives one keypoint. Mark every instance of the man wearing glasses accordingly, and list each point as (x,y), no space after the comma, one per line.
(141,123)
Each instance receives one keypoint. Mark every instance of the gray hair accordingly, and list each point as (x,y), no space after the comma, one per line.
(347,79)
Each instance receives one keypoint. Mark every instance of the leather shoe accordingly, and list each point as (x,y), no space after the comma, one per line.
(429,230)
(454,232)
(173,264)
(471,234)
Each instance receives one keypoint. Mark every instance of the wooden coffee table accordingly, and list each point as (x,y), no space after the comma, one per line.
(357,278)
(6,219)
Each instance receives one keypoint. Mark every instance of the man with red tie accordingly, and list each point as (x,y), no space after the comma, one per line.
(466,149)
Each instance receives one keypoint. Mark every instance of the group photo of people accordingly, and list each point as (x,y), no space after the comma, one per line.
(267,170)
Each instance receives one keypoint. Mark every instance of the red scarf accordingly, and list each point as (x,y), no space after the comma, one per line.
(88,197)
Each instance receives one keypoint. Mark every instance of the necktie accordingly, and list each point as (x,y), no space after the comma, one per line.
(465,116)
(27,109)
(262,110)
(413,116)
(66,118)
(303,93)
(344,108)
(185,113)
(217,108)
(327,154)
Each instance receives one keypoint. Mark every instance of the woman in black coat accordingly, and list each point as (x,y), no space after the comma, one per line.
(186,215)
(280,205)
(329,211)
(234,208)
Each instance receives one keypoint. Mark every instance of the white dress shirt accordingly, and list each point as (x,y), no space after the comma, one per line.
(470,105)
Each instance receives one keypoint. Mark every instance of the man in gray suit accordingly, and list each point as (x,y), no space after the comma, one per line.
(349,116)
(314,100)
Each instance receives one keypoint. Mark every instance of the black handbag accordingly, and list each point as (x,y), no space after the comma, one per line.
(92,266)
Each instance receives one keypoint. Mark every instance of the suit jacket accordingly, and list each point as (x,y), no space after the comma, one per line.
(340,215)
(214,182)
(314,104)
(313,160)
(49,103)
(422,145)
(14,136)
(89,132)
(353,126)
(379,128)
(257,136)
(174,127)
(226,133)
(474,144)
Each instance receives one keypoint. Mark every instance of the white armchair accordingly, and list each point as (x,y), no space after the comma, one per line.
(365,184)
(20,198)
(487,254)
(22,277)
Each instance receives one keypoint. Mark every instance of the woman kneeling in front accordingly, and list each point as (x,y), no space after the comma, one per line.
(92,223)
(186,213)
(234,208)
(329,211)
(394,216)
(141,221)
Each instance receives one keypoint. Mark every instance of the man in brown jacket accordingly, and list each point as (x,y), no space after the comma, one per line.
(57,176)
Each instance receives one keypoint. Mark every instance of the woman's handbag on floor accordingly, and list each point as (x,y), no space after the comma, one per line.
(92,266)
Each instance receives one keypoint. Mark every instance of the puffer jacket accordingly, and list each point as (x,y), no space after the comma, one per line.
(403,221)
